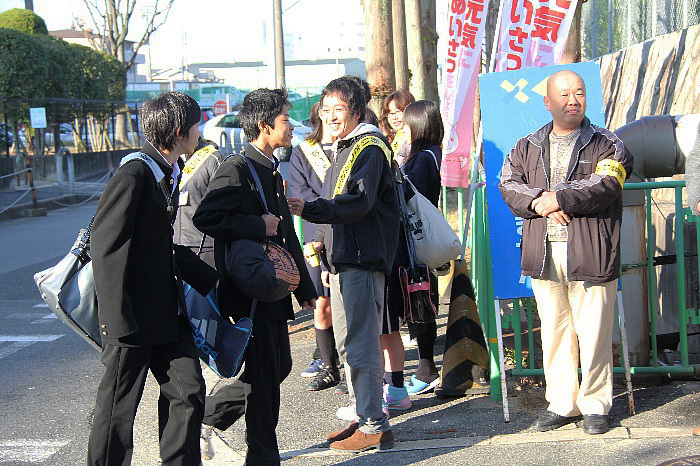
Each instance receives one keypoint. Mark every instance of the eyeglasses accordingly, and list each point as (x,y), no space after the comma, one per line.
(337,110)
(396,114)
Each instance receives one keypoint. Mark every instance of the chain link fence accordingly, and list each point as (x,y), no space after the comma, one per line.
(611,25)
(79,125)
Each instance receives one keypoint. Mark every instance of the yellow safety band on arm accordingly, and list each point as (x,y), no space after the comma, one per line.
(317,159)
(609,167)
(193,164)
(359,146)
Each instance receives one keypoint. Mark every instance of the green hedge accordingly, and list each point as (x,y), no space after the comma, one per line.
(23,20)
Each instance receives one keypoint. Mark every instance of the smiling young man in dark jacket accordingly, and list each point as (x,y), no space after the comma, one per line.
(142,315)
(565,180)
(231,210)
(359,210)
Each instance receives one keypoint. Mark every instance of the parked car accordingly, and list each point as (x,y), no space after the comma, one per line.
(226,131)
(65,133)
(207,114)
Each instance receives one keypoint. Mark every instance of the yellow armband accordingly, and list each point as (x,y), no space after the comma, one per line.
(609,167)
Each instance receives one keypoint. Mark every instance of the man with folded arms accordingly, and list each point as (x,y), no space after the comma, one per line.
(565,180)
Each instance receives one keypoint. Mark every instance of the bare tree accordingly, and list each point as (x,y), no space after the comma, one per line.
(398,14)
(111,19)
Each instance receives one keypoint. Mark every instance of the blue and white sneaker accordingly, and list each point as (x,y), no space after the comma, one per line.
(396,398)
(416,387)
(313,369)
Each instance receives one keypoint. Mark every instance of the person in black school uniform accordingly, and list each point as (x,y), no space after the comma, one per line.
(232,209)
(142,306)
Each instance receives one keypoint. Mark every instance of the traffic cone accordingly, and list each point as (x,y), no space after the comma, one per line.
(465,359)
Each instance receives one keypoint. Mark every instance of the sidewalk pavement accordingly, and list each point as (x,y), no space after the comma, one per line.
(18,198)
(459,430)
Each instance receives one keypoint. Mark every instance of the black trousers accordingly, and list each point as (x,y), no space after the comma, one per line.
(225,406)
(268,362)
(180,407)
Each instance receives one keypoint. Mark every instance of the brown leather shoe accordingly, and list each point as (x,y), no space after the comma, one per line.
(696,431)
(343,434)
(361,442)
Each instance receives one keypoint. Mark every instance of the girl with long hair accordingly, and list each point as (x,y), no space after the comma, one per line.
(424,131)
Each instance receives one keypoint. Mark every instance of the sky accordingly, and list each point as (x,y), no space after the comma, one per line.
(207,30)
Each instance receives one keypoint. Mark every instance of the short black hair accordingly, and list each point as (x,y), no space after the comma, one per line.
(425,121)
(350,92)
(163,116)
(364,85)
(261,106)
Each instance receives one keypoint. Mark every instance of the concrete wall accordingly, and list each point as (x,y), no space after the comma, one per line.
(44,166)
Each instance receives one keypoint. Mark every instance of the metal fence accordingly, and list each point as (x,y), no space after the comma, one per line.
(80,125)
(611,25)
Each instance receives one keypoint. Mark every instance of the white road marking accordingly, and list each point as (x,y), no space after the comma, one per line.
(46,319)
(50,316)
(32,338)
(29,450)
(19,342)
(41,305)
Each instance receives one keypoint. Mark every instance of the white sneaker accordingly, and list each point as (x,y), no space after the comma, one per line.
(205,444)
(347,413)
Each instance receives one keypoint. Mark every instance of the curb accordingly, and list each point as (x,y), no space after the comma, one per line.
(228,455)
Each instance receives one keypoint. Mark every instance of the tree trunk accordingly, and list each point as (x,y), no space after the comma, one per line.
(430,39)
(380,51)
(416,58)
(572,49)
(398,15)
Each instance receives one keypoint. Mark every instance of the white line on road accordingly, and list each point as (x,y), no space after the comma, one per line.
(46,319)
(29,451)
(41,305)
(32,338)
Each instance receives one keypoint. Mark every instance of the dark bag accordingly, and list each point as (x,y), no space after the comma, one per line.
(221,344)
(69,289)
(264,271)
(418,306)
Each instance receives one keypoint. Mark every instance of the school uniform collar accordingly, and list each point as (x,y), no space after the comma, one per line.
(257,155)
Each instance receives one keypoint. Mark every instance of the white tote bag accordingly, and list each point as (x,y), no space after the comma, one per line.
(435,241)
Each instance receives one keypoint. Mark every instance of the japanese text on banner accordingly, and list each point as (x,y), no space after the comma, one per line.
(533,33)
(466,24)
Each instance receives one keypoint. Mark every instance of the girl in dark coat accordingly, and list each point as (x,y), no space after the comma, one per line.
(424,130)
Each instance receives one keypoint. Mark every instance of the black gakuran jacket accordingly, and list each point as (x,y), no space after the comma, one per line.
(232,210)
(137,267)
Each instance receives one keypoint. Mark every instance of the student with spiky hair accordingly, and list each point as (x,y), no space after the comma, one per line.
(142,311)
(231,210)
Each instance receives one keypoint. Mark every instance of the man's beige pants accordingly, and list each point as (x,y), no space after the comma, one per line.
(576,319)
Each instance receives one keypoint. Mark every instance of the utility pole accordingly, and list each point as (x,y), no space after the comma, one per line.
(29,5)
(416,57)
(279,44)
(380,51)
(398,18)
(429,42)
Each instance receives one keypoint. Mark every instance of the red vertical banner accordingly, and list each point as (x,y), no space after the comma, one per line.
(466,24)
(532,33)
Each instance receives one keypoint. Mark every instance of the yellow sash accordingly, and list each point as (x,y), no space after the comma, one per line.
(357,148)
(193,164)
(609,167)
(399,139)
(317,159)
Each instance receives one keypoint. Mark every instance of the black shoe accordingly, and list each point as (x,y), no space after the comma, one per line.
(549,421)
(342,387)
(325,378)
(595,424)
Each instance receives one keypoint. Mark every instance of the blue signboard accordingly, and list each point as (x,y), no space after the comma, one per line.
(512,107)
